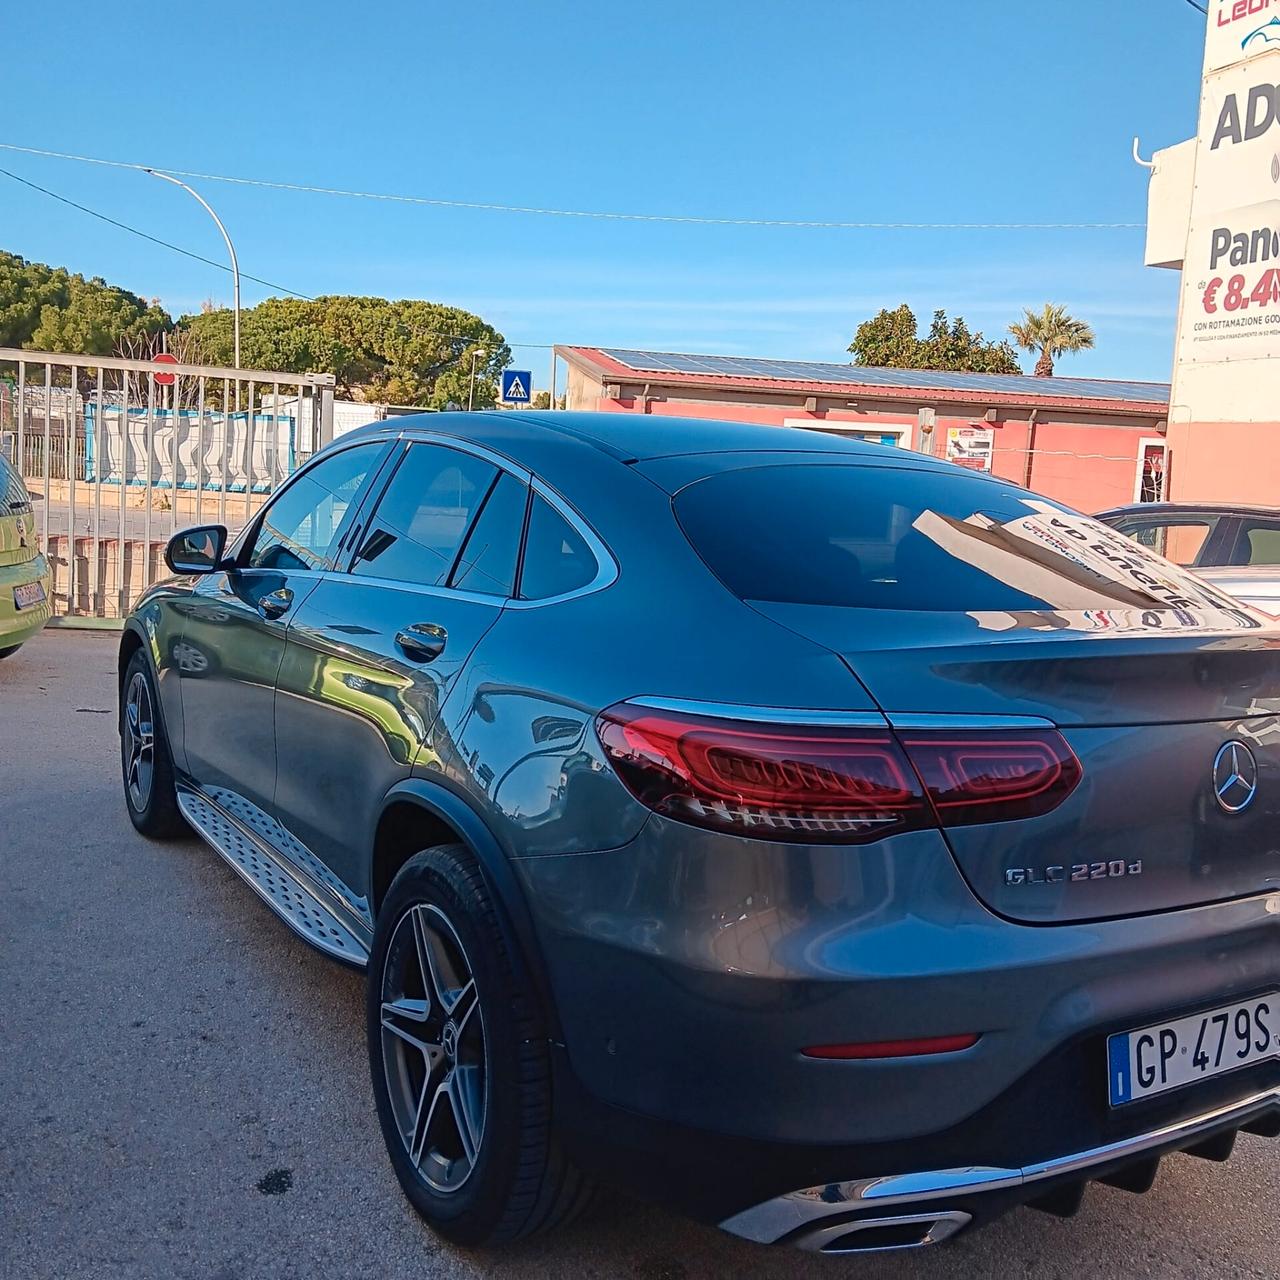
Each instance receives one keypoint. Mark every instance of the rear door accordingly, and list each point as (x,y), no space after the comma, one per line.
(375,650)
(961,603)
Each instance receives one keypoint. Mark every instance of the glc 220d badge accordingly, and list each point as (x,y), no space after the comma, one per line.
(1074,874)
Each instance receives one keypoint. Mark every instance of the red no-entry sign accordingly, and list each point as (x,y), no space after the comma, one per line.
(165,379)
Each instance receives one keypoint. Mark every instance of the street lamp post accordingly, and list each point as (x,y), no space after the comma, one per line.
(231,249)
(476,355)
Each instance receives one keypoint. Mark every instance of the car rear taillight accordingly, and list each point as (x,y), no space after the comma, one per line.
(993,776)
(773,782)
(830,784)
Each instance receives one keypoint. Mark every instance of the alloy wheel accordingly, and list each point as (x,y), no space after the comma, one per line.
(139,741)
(433,1048)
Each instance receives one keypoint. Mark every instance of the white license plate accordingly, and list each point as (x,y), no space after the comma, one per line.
(1172,1055)
(28,595)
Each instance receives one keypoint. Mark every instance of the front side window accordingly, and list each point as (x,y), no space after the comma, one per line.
(300,527)
(557,559)
(420,523)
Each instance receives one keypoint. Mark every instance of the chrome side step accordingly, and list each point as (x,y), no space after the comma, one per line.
(272,879)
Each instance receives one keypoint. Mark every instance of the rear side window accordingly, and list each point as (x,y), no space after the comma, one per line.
(1259,543)
(1179,540)
(420,523)
(488,561)
(556,556)
(885,538)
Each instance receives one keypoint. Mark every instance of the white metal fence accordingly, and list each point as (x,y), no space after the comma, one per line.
(119,454)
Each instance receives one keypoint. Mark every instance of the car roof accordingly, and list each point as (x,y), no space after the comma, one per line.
(1190,508)
(629,437)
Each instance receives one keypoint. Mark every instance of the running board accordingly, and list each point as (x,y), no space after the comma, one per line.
(272,879)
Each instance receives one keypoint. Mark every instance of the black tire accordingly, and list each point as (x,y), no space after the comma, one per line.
(153,810)
(9,652)
(519,1183)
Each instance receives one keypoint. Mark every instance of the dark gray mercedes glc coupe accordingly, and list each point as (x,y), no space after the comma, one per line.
(833,843)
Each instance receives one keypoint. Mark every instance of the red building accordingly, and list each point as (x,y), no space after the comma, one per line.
(1086,442)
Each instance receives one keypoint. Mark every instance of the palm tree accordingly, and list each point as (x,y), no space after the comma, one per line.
(1053,333)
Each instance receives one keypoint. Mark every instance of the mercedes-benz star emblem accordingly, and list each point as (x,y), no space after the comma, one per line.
(1235,777)
(449,1041)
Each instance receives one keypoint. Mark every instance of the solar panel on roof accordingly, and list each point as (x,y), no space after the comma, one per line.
(816,372)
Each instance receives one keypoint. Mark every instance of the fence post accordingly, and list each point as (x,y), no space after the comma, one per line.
(326,415)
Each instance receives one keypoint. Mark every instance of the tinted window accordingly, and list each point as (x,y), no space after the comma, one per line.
(556,557)
(424,515)
(488,561)
(13,493)
(299,528)
(886,538)
(1260,543)
(1178,540)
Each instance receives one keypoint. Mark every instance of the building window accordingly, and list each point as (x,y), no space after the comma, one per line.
(896,434)
(1151,481)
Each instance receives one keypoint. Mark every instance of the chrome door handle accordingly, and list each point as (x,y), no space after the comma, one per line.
(276,604)
(422,642)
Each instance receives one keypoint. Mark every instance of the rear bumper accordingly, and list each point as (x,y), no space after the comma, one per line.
(690,972)
(927,1207)
(17,627)
(1021,1148)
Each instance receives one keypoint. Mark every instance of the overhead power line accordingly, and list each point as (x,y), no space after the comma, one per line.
(124,226)
(1195,4)
(222,266)
(493,207)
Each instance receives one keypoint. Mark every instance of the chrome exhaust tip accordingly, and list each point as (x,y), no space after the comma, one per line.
(884,1235)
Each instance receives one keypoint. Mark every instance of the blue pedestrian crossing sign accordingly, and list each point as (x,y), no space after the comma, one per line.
(517,386)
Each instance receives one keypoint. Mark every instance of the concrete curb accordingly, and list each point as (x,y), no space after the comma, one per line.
(86,624)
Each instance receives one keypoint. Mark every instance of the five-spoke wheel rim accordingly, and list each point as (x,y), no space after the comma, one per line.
(433,1048)
(139,741)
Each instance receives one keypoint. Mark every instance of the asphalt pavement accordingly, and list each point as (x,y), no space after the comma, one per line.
(184,1089)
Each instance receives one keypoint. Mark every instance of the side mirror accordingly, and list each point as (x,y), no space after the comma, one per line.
(197,550)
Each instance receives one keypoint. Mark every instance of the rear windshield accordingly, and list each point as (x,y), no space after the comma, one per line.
(13,493)
(884,538)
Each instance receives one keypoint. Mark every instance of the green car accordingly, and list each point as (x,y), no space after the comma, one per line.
(24,572)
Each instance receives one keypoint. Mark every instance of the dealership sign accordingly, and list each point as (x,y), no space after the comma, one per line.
(1244,120)
(1241,29)
(1231,277)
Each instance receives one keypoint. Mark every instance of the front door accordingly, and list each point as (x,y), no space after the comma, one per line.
(376,649)
(234,635)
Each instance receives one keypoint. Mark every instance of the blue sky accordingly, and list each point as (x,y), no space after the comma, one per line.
(876,110)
